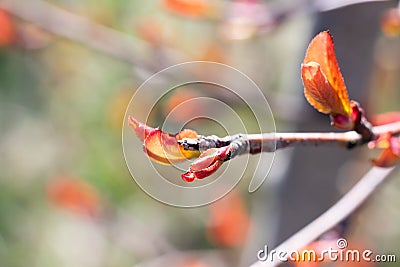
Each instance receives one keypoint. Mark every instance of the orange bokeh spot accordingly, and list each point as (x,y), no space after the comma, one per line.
(190,8)
(390,22)
(7,30)
(74,195)
(229,221)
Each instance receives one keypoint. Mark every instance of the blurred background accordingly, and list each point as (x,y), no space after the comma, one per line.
(68,69)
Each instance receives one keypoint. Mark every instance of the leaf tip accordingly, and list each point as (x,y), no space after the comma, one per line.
(141,129)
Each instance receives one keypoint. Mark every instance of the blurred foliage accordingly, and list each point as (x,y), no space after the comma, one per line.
(61,111)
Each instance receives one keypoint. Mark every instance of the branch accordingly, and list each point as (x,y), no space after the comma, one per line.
(270,142)
(337,213)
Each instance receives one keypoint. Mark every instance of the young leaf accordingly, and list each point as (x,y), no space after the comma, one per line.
(208,162)
(387,158)
(324,86)
(390,154)
(319,91)
(160,146)
(163,147)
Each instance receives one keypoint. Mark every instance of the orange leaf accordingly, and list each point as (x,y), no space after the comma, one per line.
(160,146)
(324,85)
(163,147)
(386,159)
(390,154)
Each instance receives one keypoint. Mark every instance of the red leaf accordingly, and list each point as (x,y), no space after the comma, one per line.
(208,163)
(324,85)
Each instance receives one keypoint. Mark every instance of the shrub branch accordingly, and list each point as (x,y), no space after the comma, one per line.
(270,142)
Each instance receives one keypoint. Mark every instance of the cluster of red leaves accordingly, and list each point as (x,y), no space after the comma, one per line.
(74,194)
(326,91)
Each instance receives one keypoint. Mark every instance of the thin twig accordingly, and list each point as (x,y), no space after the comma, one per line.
(270,142)
(337,213)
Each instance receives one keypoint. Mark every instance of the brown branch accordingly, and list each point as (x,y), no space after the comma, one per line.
(270,142)
(353,199)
